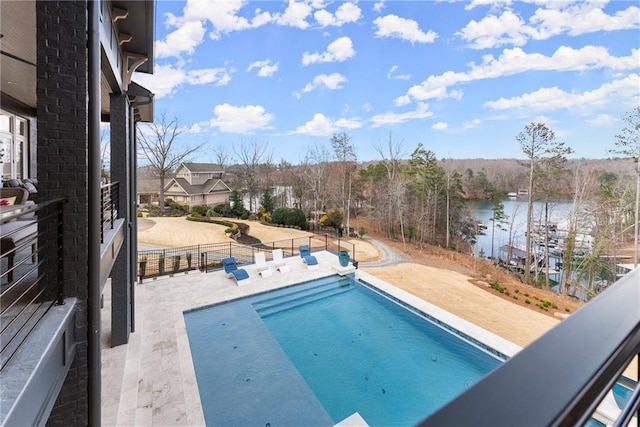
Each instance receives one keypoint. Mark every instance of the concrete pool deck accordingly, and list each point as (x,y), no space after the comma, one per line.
(151,380)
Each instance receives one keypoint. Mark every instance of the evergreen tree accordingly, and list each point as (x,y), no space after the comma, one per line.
(237,205)
(267,201)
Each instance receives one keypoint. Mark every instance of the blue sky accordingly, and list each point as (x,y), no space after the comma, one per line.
(462,78)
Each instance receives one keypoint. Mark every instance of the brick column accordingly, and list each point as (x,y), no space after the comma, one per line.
(62,169)
(122,275)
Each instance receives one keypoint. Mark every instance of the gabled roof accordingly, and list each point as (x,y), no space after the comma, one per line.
(184,184)
(202,167)
(213,185)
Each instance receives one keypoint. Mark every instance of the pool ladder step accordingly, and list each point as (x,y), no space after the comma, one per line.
(298,299)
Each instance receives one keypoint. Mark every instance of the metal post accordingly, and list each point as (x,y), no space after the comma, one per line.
(60,257)
(94,361)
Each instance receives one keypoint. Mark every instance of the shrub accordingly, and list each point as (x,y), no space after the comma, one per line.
(232,227)
(139,214)
(223,209)
(534,296)
(290,217)
(515,297)
(527,301)
(506,293)
(199,210)
(517,291)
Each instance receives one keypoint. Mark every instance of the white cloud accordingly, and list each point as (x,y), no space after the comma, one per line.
(223,15)
(166,79)
(392,76)
(572,18)
(346,13)
(265,68)
(379,5)
(322,125)
(470,124)
(602,120)
(402,28)
(581,18)
(440,126)
(352,123)
(295,15)
(338,51)
(390,118)
(493,31)
(332,81)
(184,39)
(218,76)
(240,119)
(367,107)
(549,99)
(515,61)
(493,3)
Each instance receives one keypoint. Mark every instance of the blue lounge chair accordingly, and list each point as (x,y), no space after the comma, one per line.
(305,254)
(232,270)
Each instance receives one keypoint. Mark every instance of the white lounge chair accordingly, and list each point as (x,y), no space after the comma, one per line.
(278,261)
(261,265)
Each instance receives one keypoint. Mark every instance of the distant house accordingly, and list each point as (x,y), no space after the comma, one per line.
(198,184)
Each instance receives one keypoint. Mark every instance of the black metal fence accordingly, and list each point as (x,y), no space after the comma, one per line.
(110,206)
(32,274)
(205,257)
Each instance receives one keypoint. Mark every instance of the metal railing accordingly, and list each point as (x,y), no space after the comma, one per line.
(31,281)
(205,257)
(110,206)
(562,378)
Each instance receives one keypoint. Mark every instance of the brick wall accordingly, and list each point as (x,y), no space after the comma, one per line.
(62,168)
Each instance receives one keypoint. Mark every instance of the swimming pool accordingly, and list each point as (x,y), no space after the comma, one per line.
(316,353)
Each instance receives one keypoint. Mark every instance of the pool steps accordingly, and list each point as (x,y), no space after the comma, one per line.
(301,297)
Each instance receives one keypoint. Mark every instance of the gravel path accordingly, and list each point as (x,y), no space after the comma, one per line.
(388,256)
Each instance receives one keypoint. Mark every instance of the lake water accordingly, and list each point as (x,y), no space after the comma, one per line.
(515,224)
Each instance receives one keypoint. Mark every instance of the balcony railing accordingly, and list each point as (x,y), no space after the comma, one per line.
(110,206)
(31,281)
(566,376)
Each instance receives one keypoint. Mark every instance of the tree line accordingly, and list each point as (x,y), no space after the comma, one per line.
(412,196)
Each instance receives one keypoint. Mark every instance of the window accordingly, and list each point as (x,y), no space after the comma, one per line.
(13,146)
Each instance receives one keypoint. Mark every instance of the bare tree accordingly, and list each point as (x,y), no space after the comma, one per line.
(314,168)
(392,161)
(221,155)
(344,152)
(159,146)
(628,144)
(250,155)
(539,144)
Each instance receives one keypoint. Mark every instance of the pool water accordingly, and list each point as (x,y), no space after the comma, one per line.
(314,354)
(359,352)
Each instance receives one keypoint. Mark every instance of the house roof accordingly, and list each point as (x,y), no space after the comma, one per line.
(203,167)
(148,186)
(213,185)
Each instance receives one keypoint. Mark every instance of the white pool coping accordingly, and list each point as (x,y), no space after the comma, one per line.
(151,380)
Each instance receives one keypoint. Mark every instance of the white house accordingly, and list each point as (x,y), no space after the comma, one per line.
(198,184)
